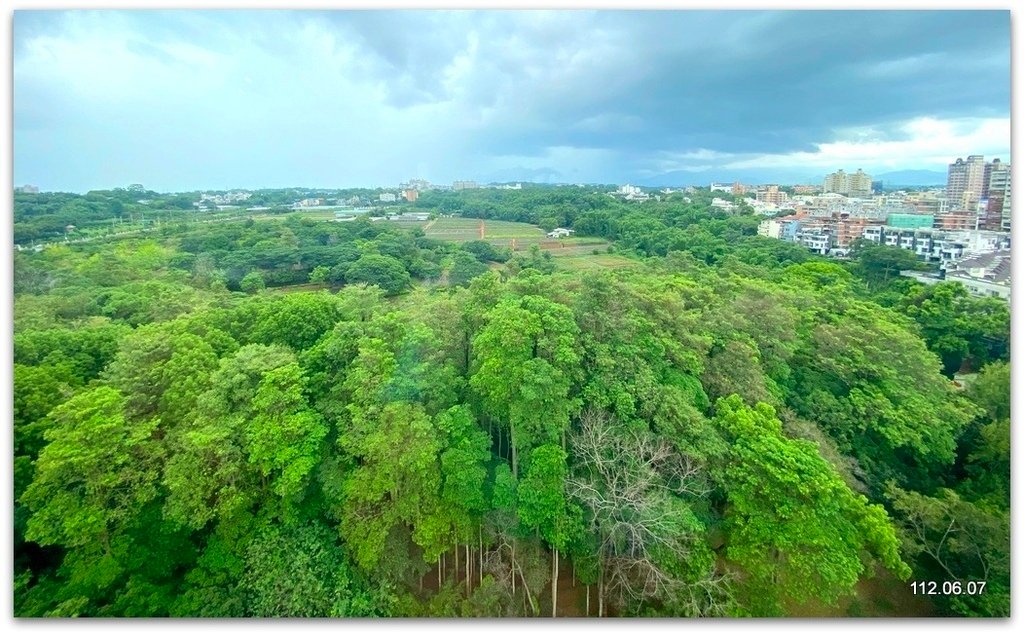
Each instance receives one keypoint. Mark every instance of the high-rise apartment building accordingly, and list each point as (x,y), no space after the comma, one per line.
(857,184)
(837,183)
(966,182)
(997,191)
(772,194)
(860,184)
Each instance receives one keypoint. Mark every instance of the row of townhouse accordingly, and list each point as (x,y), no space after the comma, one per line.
(938,245)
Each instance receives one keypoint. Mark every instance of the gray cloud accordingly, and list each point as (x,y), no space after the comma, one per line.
(373,97)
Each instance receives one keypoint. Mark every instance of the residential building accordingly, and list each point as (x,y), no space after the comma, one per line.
(720,187)
(410,195)
(931,202)
(722,204)
(965,182)
(465,185)
(420,185)
(816,239)
(806,189)
(837,183)
(856,185)
(772,194)
(997,192)
(738,189)
(986,274)
(849,229)
(628,189)
(860,184)
(27,189)
(387,197)
(956,219)
(780,228)
(560,232)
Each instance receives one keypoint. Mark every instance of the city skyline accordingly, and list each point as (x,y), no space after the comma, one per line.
(191,100)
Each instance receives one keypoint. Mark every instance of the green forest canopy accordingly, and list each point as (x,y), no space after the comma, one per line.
(730,427)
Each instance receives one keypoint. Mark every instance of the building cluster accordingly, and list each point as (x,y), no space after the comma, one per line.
(973,185)
(630,193)
(963,228)
(224,199)
(855,185)
(27,189)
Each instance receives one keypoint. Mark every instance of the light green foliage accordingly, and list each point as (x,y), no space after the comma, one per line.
(283,436)
(526,358)
(319,274)
(96,472)
(252,282)
(793,525)
(162,368)
(207,475)
(396,482)
(542,500)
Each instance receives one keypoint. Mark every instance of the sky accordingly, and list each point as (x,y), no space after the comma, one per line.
(186,100)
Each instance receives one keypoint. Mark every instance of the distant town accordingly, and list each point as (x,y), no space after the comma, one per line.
(962,228)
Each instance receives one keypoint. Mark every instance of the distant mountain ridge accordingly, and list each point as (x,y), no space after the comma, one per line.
(912,177)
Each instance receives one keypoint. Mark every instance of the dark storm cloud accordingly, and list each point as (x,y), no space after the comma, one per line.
(372,97)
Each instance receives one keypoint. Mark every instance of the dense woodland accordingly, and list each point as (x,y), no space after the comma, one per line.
(729,427)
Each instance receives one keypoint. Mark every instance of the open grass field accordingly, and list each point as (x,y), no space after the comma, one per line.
(593,262)
(574,254)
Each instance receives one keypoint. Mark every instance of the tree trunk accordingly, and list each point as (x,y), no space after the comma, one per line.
(480,534)
(513,566)
(588,600)
(554,585)
(469,570)
(515,455)
(456,563)
(600,591)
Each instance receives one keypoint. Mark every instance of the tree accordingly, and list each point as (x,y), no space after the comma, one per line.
(798,531)
(543,504)
(301,571)
(96,472)
(319,274)
(525,364)
(252,282)
(464,268)
(877,264)
(954,539)
(386,272)
(640,496)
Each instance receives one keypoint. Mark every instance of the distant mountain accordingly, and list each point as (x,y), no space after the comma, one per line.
(912,177)
(520,174)
(680,178)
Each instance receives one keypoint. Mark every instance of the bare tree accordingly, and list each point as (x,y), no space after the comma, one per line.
(637,488)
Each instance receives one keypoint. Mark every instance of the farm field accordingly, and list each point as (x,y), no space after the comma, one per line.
(592,262)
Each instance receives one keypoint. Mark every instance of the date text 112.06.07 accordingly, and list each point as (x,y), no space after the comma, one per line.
(948,587)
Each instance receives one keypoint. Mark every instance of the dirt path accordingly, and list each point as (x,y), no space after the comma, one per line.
(481,229)
(429,225)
